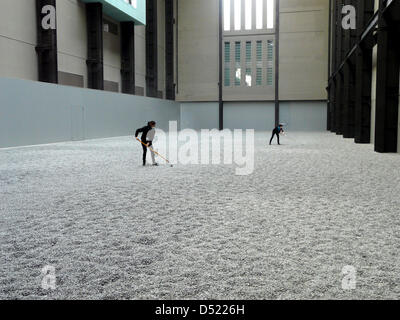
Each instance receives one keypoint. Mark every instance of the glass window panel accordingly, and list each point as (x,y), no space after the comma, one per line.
(259,14)
(227,73)
(248,13)
(238,70)
(227,15)
(270,14)
(238,14)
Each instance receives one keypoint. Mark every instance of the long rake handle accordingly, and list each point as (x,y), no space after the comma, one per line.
(152,150)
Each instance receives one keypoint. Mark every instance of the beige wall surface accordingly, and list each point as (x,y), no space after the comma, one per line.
(303,49)
(18,39)
(303,52)
(72,37)
(140,57)
(198,50)
(112,55)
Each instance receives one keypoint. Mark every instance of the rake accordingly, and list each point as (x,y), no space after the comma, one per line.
(151,149)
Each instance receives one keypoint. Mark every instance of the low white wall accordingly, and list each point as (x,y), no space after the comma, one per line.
(304,115)
(249,115)
(200,115)
(36,113)
(260,116)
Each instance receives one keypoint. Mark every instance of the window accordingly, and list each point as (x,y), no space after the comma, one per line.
(270,14)
(270,62)
(227,15)
(238,14)
(259,64)
(248,64)
(259,14)
(238,70)
(227,73)
(248,14)
(248,44)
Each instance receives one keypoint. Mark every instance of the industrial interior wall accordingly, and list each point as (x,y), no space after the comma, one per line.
(18,39)
(304,30)
(35,113)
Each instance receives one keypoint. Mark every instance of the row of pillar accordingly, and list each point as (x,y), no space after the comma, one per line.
(47,47)
(349,107)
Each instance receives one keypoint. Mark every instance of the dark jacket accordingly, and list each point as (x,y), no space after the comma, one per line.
(144,132)
(278,130)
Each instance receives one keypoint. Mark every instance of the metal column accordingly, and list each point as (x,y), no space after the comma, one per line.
(128,57)
(387,87)
(349,82)
(365,11)
(46,41)
(94,20)
(169,50)
(339,76)
(151,49)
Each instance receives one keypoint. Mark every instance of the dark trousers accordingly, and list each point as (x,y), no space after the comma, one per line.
(145,150)
(275,132)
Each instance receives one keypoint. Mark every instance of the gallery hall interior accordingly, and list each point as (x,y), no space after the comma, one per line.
(199,150)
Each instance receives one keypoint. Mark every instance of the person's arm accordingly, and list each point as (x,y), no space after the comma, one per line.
(138,131)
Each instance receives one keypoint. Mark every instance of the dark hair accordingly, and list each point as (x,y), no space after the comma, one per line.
(152,123)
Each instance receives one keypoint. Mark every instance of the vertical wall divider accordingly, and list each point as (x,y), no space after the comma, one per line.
(220,68)
(128,57)
(151,49)
(46,48)
(277,30)
(169,50)
(94,20)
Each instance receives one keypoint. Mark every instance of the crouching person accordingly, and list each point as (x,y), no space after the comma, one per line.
(148,133)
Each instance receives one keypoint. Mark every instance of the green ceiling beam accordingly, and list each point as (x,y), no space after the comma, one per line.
(121,11)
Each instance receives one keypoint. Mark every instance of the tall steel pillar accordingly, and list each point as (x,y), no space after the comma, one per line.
(339,76)
(349,82)
(169,50)
(387,87)
(151,49)
(46,48)
(128,57)
(363,76)
(335,64)
(94,21)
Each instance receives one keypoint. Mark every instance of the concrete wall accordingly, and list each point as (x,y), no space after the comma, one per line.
(18,39)
(198,50)
(34,113)
(303,49)
(140,57)
(112,55)
(199,115)
(71,38)
(303,52)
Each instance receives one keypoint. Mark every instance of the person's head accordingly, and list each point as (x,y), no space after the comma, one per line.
(281,125)
(152,124)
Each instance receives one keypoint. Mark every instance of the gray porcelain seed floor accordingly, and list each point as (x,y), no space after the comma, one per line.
(114,230)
